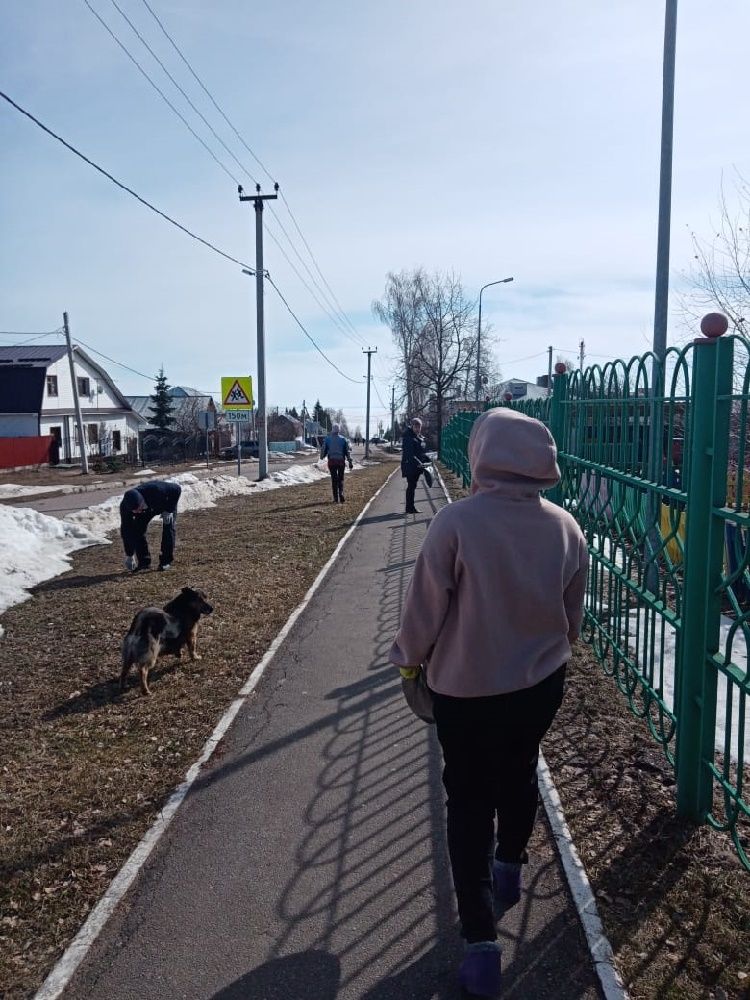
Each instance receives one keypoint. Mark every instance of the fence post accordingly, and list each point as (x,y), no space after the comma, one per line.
(696,677)
(557,421)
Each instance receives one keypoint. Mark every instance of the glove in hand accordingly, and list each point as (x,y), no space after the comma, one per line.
(167,518)
(130,563)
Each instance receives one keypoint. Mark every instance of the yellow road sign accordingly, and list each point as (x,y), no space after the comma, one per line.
(237,392)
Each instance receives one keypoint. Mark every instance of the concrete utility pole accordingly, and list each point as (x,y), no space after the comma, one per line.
(369,352)
(258,200)
(304,435)
(76,400)
(581,353)
(661,306)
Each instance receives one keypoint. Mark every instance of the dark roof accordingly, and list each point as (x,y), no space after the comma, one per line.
(21,388)
(41,356)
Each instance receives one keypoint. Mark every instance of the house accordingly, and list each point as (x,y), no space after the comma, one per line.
(188,409)
(110,426)
(518,388)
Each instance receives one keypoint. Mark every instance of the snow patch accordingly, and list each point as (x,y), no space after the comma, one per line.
(37,547)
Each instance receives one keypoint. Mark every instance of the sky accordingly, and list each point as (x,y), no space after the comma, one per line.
(491,138)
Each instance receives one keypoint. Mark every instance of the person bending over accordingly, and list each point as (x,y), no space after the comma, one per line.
(137,508)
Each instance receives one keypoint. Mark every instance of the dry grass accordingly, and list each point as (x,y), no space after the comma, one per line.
(673,897)
(85,770)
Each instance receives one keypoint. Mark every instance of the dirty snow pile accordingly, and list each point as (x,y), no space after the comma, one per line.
(37,547)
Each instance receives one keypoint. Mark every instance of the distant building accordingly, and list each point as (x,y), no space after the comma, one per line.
(36,399)
(518,389)
(188,407)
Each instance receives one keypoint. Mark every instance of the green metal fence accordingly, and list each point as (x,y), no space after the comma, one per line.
(655,465)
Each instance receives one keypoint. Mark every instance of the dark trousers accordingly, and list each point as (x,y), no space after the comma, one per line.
(337,480)
(168,539)
(491,750)
(412,479)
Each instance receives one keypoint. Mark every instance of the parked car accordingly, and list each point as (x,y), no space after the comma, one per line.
(377,440)
(249,449)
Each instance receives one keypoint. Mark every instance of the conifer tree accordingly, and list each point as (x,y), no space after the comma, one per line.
(161,410)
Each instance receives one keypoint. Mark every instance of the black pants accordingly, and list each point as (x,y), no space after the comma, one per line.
(337,480)
(168,539)
(412,479)
(491,750)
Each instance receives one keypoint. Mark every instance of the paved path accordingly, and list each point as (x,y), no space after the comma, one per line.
(309,860)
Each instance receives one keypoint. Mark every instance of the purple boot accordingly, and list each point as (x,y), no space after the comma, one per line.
(479,974)
(506,885)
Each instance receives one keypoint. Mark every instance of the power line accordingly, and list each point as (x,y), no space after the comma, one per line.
(200,114)
(302,328)
(212,99)
(161,93)
(205,89)
(122,186)
(28,333)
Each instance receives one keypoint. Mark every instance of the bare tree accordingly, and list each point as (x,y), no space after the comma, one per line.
(401,309)
(720,275)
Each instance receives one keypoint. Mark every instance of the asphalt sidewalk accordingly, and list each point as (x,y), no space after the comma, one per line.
(309,858)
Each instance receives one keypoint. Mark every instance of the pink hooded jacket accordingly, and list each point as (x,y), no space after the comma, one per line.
(497,592)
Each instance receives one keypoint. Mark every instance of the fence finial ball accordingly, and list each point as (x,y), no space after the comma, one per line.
(560,368)
(714,325)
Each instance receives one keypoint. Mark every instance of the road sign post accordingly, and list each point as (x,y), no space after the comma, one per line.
(237,399)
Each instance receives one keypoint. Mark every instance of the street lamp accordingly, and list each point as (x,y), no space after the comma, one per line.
(477,386)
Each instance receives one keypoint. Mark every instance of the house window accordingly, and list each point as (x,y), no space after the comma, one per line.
(116,441)
(93,432)
(84,386)
(52,385)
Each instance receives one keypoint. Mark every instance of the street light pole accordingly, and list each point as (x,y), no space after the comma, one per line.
(478,383)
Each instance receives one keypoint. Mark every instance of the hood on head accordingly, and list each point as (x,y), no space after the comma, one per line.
(511,452)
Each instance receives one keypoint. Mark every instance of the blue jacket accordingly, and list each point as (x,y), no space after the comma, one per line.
(336,447)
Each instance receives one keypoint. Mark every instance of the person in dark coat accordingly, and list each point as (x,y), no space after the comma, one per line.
(336,448)
(138,506)
(414,457)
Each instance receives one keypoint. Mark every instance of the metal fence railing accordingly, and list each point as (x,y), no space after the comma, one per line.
(655,464)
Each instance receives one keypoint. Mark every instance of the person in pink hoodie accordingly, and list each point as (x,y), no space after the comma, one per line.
(494,603)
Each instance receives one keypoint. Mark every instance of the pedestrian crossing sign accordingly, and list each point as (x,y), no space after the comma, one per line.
(237,392)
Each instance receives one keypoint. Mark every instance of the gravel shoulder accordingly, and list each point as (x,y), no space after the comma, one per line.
(85,769)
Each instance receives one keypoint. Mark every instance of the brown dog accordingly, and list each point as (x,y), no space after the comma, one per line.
(156,632)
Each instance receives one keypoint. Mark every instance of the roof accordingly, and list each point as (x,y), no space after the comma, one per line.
(32,356)
(22,388)
(142,404)
(185,390)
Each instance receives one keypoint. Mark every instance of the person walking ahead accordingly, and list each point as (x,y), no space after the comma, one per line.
(413,459)
(138,506)
(495,601)
(336,449)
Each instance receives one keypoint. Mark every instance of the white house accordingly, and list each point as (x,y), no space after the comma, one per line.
(110,425)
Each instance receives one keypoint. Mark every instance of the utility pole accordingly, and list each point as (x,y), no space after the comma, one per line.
(393,416)
(369,352)
(581,353)
(76,400)
(549,371)
(304,435)
(258,200)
